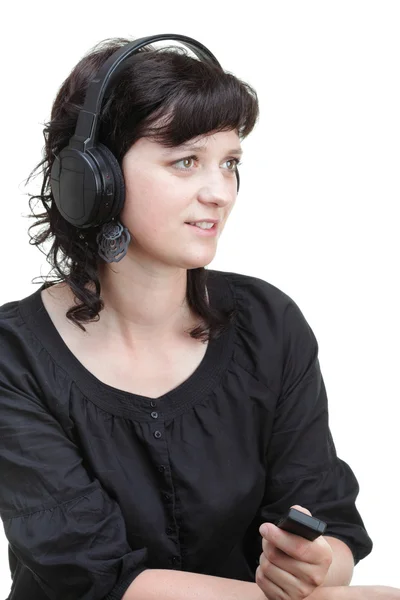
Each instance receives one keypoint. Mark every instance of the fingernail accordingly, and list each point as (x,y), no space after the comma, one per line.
(264,530)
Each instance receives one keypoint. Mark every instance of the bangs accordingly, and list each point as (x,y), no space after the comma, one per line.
(219,103)
(171,98)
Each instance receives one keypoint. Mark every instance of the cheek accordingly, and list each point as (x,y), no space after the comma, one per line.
(143,201)
(149,209)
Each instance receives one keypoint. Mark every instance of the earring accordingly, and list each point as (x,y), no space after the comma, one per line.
(113,241)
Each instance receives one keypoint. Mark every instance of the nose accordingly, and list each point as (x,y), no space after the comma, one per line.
(218,190)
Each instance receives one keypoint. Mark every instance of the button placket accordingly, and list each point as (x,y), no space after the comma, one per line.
(158,435)
(167,497)
(174,561)
(154,415)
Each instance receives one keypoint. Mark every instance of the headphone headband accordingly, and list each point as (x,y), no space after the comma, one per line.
(84,137)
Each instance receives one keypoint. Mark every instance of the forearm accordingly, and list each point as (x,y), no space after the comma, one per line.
(357,592)
(341,570)
(154,584)
(337,592)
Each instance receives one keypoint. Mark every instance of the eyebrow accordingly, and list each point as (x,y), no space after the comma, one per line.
(192,148)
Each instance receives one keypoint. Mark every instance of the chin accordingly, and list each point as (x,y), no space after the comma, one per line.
(197,263)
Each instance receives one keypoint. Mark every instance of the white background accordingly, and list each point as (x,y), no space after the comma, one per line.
(320,187)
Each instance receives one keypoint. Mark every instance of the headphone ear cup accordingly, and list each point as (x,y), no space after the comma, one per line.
(88,187)
(108,213)
(75,183)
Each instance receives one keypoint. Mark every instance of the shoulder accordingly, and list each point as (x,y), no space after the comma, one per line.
(266,305)
(12,321)
(12,326)
(272,333)
(256,289)
(30,379)
(21,350)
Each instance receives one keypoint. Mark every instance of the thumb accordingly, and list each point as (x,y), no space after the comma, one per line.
(301,509)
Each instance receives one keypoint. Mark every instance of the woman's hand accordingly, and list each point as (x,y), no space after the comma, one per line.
(291,567)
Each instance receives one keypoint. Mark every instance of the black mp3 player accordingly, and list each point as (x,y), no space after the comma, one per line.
(301,524)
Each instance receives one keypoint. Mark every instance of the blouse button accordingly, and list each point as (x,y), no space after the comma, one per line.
(157,434)
(169,531)
(153,404)
(161,468)
(154,415)
(166,497)
(174,560)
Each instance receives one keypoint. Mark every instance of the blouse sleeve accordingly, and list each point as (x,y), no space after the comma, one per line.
(59,522)
(302,465)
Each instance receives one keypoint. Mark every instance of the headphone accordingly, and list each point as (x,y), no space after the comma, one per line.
(86,179)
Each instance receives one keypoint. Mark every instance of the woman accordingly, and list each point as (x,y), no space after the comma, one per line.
(154,414)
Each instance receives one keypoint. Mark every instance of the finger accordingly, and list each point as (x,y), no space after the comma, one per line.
(302,509)
(270,573)
(267,587)
(272,551)
(311,574)
(296,546)
(276,583)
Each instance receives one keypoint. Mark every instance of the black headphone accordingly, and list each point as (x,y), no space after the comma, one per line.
(86,180)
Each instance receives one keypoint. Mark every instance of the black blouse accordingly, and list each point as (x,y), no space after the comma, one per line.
(98,484)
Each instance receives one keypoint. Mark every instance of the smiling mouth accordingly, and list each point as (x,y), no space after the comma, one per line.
(209,231)
(205,228)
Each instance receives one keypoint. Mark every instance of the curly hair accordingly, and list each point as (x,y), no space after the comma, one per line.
(195,97)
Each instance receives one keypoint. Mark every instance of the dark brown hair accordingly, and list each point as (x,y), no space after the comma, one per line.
(163,94)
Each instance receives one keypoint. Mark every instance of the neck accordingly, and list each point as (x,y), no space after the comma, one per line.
(144,306)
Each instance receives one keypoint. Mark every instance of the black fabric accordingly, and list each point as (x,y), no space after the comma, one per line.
(98,484)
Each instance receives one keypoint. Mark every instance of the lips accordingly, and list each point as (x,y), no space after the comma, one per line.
(213,226)
(202,221)
(210,231)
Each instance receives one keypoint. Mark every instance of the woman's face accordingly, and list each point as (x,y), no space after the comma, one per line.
(168,187)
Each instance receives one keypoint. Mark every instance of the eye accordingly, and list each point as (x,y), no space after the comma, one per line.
(183,160)
(234,161)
